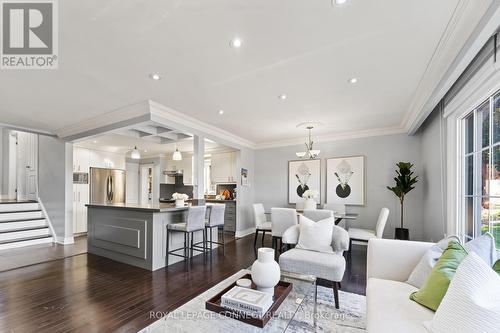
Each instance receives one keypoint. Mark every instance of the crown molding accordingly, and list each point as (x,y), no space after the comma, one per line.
(118,118)
(334,137)
(183,122)
(145,111)
(26,129)
(444,68)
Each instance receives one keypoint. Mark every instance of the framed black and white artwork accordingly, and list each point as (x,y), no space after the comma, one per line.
(345,180)
(303,175)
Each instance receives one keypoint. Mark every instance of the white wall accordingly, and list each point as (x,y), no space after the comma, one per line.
(56,185)
(381,153)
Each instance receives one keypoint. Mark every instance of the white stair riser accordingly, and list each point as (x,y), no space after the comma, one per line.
(14,207)
(22,224)
(24,234)
(26,243)
(20,216)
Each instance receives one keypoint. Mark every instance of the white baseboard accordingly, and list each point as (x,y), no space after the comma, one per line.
(243,233)
(65,240)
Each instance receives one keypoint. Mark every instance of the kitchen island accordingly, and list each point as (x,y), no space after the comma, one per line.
(136,234)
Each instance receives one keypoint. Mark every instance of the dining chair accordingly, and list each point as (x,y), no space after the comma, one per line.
(338,209)
(318,214)
(195,221)
(282,219)
(261,222)
(364,235)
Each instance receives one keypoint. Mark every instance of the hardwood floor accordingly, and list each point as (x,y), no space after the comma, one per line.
(88,293)
(26,256)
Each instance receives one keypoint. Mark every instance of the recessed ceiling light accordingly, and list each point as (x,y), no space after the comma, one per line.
(339,2)
(145,150)
(236,43)
(221,111)
(353,80)
(283,96)
(154,76)
(95,141)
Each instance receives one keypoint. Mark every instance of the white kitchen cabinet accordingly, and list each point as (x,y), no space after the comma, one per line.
(186,165)
(223,168)
(80,199)
(102,159)
(81,159)
(188,170)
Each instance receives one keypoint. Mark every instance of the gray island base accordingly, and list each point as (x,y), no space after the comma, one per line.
(136,234)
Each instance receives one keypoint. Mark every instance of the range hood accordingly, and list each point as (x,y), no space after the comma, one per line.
(173,173)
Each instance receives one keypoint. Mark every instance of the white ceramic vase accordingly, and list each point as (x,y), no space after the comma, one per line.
(310,204)
(179,203)
(266,271)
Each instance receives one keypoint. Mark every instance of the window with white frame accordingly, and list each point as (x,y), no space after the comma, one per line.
(481,170)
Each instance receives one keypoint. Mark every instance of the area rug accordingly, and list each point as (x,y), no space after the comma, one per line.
(192,316)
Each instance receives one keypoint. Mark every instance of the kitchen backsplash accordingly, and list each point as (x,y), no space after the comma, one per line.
(166,190)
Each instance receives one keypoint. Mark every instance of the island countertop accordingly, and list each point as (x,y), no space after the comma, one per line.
(136,234)
(153,208)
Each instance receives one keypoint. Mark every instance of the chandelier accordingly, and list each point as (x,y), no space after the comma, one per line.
(310,152)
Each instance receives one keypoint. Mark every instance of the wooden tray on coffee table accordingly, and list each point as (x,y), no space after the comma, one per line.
(281,291)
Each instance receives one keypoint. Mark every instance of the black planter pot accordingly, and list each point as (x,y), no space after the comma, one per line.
(402,233)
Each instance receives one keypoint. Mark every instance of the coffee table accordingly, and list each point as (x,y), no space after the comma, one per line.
(193,317)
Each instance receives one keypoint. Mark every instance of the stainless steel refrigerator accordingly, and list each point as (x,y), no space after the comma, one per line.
(107,185)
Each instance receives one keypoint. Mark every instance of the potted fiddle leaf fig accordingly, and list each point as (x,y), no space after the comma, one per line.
(404,183)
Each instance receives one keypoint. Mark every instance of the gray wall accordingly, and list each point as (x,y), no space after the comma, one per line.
(433,177)
(2,160)
(55,183)
(381,154)
(245,158)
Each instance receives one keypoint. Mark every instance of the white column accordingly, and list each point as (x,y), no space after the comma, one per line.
(198,167)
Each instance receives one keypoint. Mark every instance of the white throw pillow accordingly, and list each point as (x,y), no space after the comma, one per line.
(316,236)
(484,247)
(472,302)
(424,267)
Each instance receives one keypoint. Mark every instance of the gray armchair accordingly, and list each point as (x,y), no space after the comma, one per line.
(327,266)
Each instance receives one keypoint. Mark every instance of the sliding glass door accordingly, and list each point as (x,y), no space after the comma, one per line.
(480,163)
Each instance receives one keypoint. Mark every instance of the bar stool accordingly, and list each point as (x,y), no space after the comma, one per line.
(215,219)
(195,221)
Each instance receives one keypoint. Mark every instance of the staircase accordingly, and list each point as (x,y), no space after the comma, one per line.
(22,224)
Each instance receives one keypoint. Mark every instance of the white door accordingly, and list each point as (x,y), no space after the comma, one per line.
(32,167)
(27,160)
(12,181)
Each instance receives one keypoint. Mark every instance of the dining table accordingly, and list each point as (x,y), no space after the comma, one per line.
(338,216)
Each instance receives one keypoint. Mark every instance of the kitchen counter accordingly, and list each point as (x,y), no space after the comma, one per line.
(135,234)
(215,200)
(159,207)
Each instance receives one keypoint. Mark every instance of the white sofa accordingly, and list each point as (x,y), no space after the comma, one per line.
(388,307)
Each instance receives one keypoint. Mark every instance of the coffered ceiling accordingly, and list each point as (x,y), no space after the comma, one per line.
(306,50)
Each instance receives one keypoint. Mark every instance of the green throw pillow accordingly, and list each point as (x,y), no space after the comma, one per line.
(436,285)
(496,266)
